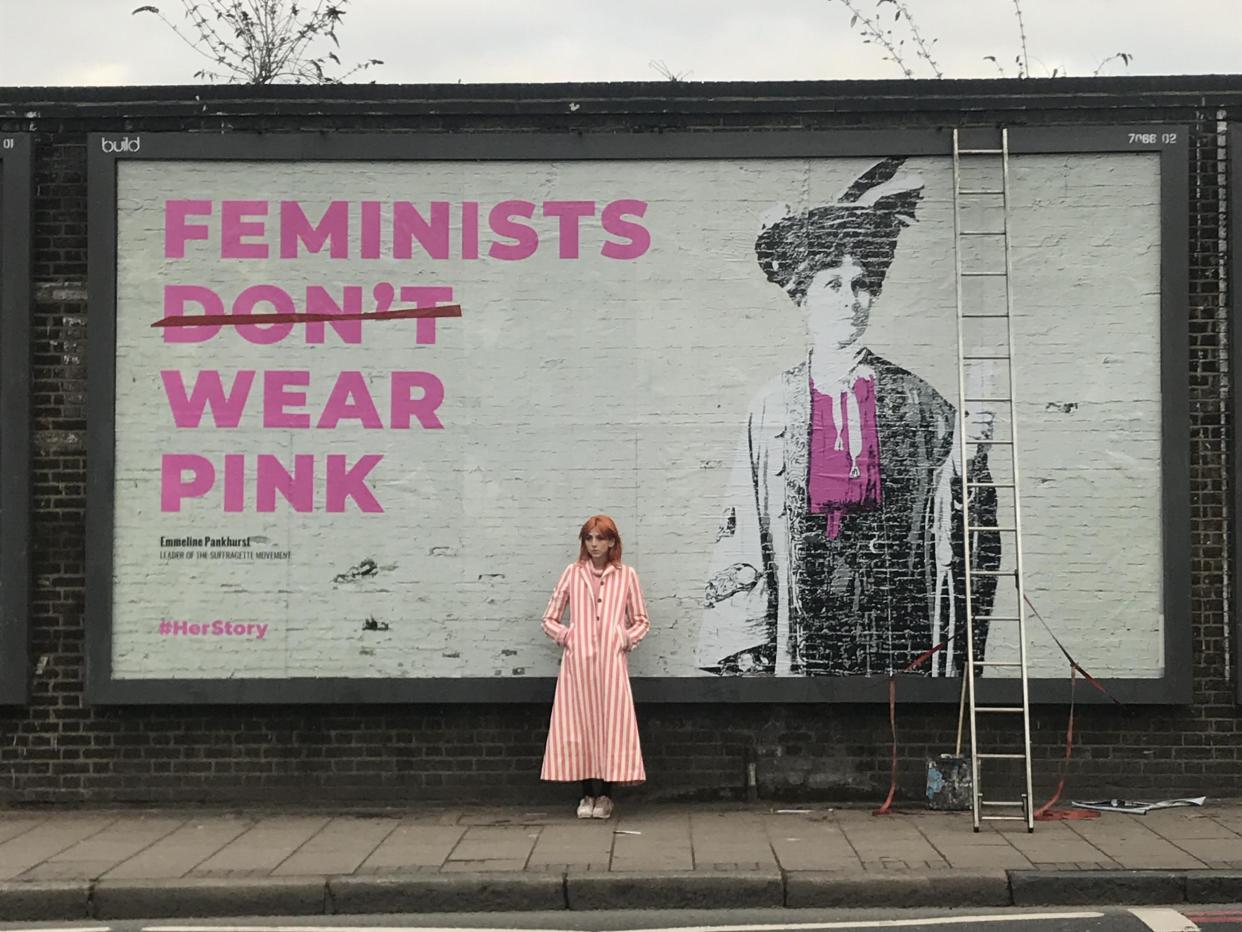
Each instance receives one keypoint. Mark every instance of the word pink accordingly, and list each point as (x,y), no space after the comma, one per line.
(190,475)
(182,300)
(284,391)
(444,230)
(217,628)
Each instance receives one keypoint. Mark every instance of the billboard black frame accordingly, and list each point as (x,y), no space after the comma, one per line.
(107,149)
(16,224)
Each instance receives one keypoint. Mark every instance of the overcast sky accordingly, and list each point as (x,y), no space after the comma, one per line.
(51,42)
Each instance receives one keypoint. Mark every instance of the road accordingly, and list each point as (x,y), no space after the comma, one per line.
(1104,919)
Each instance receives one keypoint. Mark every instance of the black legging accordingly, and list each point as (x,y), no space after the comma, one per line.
(596,788)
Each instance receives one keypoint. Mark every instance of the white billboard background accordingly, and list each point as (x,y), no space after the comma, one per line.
(578,386)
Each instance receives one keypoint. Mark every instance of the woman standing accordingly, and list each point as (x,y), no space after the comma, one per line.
(593,736)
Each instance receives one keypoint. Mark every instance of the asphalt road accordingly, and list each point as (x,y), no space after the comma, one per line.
(1107,919)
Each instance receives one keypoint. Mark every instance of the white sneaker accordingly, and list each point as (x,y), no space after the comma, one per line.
(602,809)
(586,807)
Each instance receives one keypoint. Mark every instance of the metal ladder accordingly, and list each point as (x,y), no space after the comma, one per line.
(967,319)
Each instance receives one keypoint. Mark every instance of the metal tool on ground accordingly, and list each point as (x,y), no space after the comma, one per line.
(989,318)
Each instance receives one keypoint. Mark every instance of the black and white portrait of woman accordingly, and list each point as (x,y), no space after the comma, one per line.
(840,549)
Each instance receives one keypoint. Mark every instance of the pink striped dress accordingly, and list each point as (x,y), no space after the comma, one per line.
(593,733)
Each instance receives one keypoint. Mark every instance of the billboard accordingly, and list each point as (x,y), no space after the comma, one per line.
(353,396)
(15,313)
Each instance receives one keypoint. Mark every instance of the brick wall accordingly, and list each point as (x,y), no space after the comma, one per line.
(59,749)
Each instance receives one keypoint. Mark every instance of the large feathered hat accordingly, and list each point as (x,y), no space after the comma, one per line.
(864,223)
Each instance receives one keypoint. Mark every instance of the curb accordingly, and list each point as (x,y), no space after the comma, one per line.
(679,890)
(446,893)
(896,889)
(1213,886)
(516,891)
(182,899)
(1092,887)
(33,900)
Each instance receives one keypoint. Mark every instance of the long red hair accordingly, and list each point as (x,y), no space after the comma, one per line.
(604,525)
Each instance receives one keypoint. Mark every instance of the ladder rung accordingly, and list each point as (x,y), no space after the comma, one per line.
(985,316)
(990,485)
(1021,803)
(992,572)
(1002,818)
(994,443)
(995,756)
(975,401)
(984,274)
(984,356)
(980,151)
(998,663)
(980,232)
(999,708)
(980,191)
(993,527)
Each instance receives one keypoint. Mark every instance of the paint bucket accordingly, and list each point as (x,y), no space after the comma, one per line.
(948,782)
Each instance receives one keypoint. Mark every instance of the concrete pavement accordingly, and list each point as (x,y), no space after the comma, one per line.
(161,863)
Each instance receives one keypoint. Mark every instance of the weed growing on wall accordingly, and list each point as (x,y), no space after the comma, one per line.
(265,41)
(875,29)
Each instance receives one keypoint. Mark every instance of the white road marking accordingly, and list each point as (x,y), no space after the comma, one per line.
(878,923)
(1183,926)
(323,928)
(1163,919)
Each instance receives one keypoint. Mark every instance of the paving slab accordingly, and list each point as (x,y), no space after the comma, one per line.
(11,826)
(877,838)
(21,853)
(800,844)
(261,848)
(1135,846)
(1065,849)
(943,843)
(179,852)
(1159,858)
(94,856)
(413,843)
(730,838)
(586,843)
(338,848)
(652,843)
(1211,849)
(493,815)
(484,865)
(1197,827)
(495,842)
(964,857)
